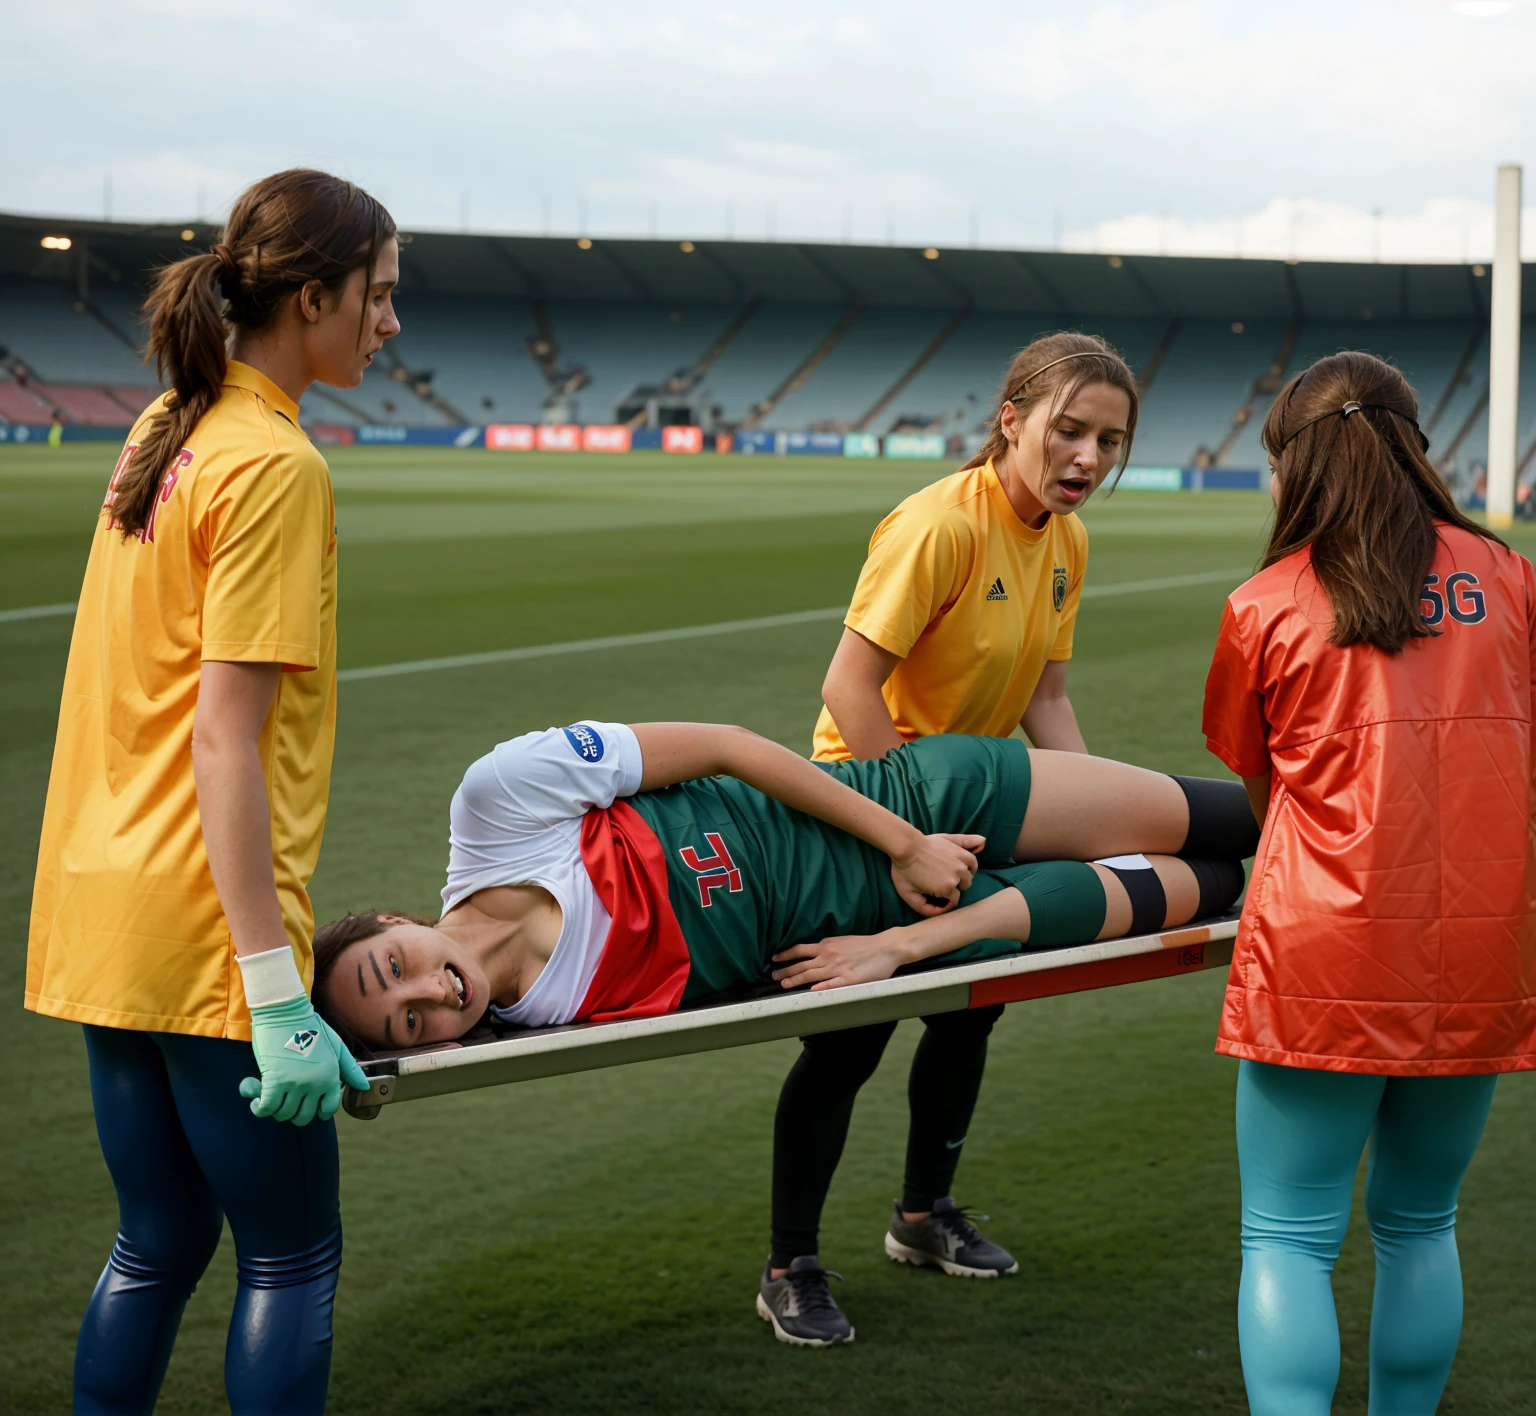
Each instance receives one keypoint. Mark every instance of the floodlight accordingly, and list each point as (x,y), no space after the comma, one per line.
(686,247)
(584,243)
(56,243)
(188,234)
(931,254)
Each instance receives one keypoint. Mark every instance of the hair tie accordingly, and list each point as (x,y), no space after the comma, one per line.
(1353,406)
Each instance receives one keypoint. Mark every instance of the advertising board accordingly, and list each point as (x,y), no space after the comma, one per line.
(393,434)
(557,437)
(1152,479)
(861,445)
(603,437)
(816,444)
(680,438)
(756,440)
(914,445)
(510,437)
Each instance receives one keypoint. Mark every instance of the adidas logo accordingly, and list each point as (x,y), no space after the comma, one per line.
(997,592)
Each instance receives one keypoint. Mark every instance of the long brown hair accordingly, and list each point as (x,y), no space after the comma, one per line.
(1358,488)
(331,941)
(1086,359)
(283,232)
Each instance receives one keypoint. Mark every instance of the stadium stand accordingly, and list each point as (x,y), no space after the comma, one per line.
(785,336)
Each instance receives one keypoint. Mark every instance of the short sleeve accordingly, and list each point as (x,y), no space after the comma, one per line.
(1234,723)
(1062,648)
(536,781)
(267,532)
(908,578)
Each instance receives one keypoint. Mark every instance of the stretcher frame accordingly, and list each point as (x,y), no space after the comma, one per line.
(579,1047)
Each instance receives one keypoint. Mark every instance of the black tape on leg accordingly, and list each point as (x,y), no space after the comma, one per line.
(1149,901)
(1220,882)
(1221,824)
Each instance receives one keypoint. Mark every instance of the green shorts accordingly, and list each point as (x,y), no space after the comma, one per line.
(748,876)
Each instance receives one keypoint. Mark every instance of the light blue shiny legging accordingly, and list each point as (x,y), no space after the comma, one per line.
(1300,1135)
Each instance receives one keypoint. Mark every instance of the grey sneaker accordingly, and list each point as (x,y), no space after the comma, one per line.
(948,1240)
(801,1307)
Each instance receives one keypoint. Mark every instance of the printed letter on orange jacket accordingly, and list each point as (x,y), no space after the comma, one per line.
(1390,925)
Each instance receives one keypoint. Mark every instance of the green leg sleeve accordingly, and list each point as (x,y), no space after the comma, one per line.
(1065,898)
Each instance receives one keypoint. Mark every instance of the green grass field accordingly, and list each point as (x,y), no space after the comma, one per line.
(591,1244)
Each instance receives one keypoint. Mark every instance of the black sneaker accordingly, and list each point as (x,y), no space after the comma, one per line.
(801,1306)
(948,1240)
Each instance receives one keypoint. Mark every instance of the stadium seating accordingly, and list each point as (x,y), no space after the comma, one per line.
(794,336)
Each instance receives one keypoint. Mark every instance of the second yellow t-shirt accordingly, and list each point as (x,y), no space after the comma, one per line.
(973,600)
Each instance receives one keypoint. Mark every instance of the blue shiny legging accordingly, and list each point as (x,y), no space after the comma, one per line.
(184,1151)
(1300,1135)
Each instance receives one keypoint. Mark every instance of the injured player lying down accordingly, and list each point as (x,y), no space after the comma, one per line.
(604,871)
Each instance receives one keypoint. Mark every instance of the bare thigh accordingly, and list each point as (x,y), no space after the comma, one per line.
(1179,885)
(1083,807)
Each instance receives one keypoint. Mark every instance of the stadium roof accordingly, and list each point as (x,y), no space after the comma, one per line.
(1052,283)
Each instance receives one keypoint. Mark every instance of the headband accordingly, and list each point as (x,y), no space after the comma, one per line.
(1355,407)
(1076,354)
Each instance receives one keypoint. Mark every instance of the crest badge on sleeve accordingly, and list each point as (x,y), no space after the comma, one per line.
(1059,587)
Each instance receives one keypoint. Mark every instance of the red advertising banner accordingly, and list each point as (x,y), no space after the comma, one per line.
(510,437)
(681,439)
(558,437)
(601,437)
(333,434)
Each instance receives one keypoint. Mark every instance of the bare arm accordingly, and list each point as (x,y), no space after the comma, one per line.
(1258,795)
(851,692)
(233,701)
(833,963)
(921,865)
(1050,720)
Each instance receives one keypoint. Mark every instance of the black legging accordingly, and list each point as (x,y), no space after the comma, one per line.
(816,1106)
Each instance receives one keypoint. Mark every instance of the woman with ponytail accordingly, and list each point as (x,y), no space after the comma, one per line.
(1373,686)
(961,622)
(188,796)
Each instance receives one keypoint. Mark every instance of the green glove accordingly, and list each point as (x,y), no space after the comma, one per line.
(303,1063)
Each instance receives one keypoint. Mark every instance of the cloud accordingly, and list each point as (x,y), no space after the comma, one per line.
(1099,117)
(1444,229)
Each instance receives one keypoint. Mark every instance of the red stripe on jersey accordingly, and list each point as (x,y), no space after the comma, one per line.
(644,967)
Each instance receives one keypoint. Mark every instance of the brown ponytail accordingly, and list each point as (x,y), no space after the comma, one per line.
(282,233)
(1035,377)
(1360,490)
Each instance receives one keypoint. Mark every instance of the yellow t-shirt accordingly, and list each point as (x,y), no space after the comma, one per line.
(238,564)
(974,601)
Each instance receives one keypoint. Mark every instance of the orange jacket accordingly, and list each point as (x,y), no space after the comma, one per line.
(1390,925)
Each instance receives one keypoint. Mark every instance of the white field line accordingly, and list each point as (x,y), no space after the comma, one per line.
(741,626)
(37,612)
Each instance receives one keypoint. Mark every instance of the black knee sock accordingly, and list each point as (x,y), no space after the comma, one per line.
(1221,824)
(811,1126)
(942,1091)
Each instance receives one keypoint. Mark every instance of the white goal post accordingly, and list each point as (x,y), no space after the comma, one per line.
(1504,351)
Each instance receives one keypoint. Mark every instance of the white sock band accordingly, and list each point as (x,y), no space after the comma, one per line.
(270,977)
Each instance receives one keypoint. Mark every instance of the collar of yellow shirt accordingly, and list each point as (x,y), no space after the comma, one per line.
(238,375)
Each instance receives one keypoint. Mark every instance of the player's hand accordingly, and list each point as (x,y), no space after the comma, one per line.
(931,875)
(841,960)
(303,1064)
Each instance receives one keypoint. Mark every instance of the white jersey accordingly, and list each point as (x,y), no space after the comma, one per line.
(516,820)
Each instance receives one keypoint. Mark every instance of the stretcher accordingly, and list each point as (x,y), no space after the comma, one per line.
(492,1057)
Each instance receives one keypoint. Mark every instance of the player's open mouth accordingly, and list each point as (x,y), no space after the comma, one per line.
(461,986)
(1074,488)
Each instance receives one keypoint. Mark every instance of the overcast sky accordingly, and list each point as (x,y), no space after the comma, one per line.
(1306,127)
